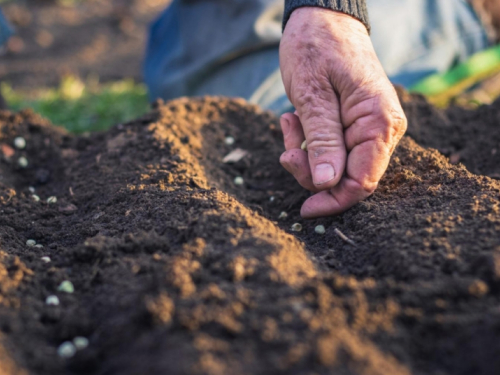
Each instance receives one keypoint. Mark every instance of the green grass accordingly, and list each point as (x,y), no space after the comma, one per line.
(83,106)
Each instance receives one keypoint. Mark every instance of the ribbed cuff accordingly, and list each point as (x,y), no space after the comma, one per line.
(355,8)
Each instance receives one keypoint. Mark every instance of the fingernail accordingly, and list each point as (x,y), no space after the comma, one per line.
(285,126)
(323,173)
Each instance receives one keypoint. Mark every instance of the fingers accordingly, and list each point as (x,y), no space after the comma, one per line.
(292,131)
(296,162)
(320,117)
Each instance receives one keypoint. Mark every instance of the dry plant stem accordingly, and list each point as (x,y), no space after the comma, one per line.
(344,237)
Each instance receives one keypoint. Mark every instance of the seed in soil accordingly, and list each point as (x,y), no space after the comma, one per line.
(22,162)
(239,181)
(35,197)
(39,246)
(31,243)
(51,200)
(52,301)
(31,189)
(296,227)
(229,141)
(80,342)
(303,146)
(45,259)
(66,287)
(20,143)
(271,199)
(320,229)
(283,215)
(66,350)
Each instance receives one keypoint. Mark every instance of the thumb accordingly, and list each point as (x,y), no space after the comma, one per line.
(322,125)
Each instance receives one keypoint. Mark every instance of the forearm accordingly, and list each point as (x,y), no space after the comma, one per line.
(355,8)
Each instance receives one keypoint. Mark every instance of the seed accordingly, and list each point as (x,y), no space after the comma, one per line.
(45,259)
(39,246)
(296,227)
(303,146)
(51,200)
(320,229)
(66,287)
(239,181)
(283,215)
(31,243)
(80,342)
(52,301)
(20,143)
(35,197)
(22,162)
(66,350)
(271,199)
(229,141)
(31,189)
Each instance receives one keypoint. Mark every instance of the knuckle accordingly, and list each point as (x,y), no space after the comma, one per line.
(392,126)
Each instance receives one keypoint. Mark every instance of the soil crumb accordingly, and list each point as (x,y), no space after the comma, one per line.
(178,270)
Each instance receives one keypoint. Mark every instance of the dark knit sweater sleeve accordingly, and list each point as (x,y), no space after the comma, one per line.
(355,8)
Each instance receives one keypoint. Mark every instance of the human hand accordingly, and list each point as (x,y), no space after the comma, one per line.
(346,110)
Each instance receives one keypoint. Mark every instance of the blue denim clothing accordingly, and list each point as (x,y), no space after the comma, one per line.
(230,47)
(5,30)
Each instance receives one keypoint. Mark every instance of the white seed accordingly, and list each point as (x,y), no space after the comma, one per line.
(80,342)
(296,227)
(283,215)
(66,287)
(51,200)
(320,229)
(35,197)
(271,199)
(39,246)
(52,301)
(20,143)
(45,259)
(229,141)
(31,189)
(239,181)
(31,243)
(22,162)
(303,146)
(66,350)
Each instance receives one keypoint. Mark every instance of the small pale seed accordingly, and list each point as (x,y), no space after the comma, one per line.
(229,141)
(66,350)
(20,143)
(283,215)
(303,146)
(239,181)
(271,199)
(80,342)
(296,227)
(31,243)
(51,200)
(22,162)
(52,301)
(31,189)
(45,259)
(35,197)
(66,287)
(39,246)
(320,229)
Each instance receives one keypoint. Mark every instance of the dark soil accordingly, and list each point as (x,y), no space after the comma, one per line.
(179,271)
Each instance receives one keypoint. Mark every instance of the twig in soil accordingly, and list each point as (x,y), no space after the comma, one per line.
(345,238)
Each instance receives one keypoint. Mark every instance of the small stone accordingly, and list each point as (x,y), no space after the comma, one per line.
(31,189)
(229,141)
(35,197)
(66,287)
(283,215)
(272,199)
(31,243)
(22,162)
(45,259)
(66,350)
(80,342)
(68,209)
(52,301)
(239,181)
(296,227)
(19,143)
(320,229)
(51,200)
(303,146)
(39,246)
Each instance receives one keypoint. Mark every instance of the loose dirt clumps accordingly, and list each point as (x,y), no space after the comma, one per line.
(178,270)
